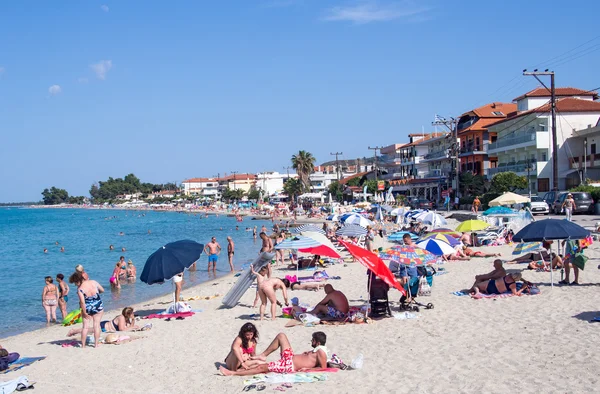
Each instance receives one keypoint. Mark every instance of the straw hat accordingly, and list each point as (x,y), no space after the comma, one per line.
(111,338)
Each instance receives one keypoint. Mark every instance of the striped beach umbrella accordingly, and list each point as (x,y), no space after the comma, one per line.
(351,230)
(445,231)
(357,219)
(449,239)
(436,247)
(526,247)
(408,255)
(297,242)
(398,236)
(307,227)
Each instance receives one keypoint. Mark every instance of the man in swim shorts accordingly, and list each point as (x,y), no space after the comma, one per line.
(288,362)
(212,249)
(334,305)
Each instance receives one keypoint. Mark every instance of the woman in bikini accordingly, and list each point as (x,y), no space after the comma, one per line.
(50,300)
(63,294)
(243,348)
(131,272)
(91,305)
(279,252)
(124,322)
(115,281)
(499,286)
(472,253)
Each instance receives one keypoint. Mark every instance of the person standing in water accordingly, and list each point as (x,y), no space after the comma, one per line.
(63,293)
(230,252)
(212,249)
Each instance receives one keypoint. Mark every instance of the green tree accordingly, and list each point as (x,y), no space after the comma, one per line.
(54,196)
(353,182)
(304,164)
(472,185)
(253,193)
(508,182)
(371,186)
(231,195)
(337,190)
(293,188)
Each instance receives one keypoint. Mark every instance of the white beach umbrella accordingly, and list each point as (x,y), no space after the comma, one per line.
(358,219)
(431,218)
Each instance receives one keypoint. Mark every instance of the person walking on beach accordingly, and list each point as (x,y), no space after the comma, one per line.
(267,243)
(50,300)
(91,305)
(279,238)
(476,205)
(568,206)
(63,294)
(212,249)
(230,252)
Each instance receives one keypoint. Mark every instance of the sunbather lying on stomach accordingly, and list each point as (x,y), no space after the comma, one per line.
(289,362)
(498,286)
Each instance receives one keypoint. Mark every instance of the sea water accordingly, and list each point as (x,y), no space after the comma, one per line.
(86,235)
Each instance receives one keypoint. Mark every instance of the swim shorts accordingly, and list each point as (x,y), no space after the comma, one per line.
(212,258)
(332,312)
(285,365)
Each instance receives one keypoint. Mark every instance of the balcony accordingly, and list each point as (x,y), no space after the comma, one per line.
(439,154)
(437,174)
(502,143)
(516,168)
(590,161)
(473,149)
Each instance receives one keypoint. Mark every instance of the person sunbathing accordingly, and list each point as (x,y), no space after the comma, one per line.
(498,286)
(289,362)
(335,304)
(306,263)
(458,255)
(497,273)
(306,286)
(124,322)
(243,349)
(472,253)
(465,238)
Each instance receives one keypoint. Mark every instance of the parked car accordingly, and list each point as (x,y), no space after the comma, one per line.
(583,202)
(538,206)
(420,203)
(551,197)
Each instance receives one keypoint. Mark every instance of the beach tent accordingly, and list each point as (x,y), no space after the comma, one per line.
(508,198)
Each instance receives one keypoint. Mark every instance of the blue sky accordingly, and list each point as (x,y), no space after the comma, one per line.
(171,90)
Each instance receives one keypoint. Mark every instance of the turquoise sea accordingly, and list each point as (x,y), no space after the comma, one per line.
(86,235)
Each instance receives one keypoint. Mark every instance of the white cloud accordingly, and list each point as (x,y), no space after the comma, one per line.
(101,68)
(54,90)
(368,11)
(82,80)
(104,8)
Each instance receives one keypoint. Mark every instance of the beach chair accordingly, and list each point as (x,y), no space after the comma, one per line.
(491,236)
(378,296)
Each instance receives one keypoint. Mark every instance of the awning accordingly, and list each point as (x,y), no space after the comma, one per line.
(563,174)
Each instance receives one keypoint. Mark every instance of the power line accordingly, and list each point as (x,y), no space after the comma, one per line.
(337,163)
(565,53)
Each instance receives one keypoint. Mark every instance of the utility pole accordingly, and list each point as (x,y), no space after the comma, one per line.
(535,73)
(337,163)
(288,171)
(452,125)
(234,172)
(529,180)
(585,144)
(375,149)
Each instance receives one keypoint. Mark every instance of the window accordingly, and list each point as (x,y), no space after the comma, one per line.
(544,156)
(498,113)
(543,184)
(593,149)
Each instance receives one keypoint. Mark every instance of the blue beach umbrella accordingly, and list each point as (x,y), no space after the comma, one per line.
(170,260)
(397,236)
(449,239)
(436,247)
(498,211)
(298,242)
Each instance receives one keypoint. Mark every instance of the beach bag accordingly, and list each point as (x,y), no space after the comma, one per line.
(424,287)
(579,260)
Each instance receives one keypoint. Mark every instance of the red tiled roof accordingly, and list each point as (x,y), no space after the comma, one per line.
(564,105)
(487,111)
(426,138)
(559,92)
(237,177)
(359,175)
(200,180)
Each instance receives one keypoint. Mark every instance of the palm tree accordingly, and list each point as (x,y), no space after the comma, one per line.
(293,188)
(304,164)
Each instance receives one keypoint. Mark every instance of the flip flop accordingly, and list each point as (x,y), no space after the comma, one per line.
(249,387)
(260,387)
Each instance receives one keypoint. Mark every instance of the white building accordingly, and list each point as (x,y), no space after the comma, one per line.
(584,160)
(524,141)
(202,187)
(320,181)
(272,182)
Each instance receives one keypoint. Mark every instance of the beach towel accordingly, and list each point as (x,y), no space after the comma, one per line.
(22,362)
(169,315)
(297,377)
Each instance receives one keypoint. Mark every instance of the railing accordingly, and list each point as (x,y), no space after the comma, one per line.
(437,174)
(504,142)
(437,154)
(512,168)
(474,148)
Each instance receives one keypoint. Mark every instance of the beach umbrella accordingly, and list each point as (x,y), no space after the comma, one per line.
(407,255)
(374,263)
(399,211)
(307,227)
(170,260)
(526,247)
(548,230)
(436,247)
(445,231)
(297,242)
(469,226)
(333,217)
(379,215)
(449,239)
(431,218)
(498,210)
(325,247)
(351,230)
(508,198)
(357,219)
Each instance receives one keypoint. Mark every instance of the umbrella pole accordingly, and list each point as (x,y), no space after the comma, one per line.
(551,270)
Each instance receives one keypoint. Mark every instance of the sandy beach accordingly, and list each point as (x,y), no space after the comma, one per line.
(541,343)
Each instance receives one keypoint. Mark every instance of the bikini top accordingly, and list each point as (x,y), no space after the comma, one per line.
(250,350)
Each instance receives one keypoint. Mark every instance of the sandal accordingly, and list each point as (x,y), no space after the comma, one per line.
(574,283)
(563,282)
(249,387)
